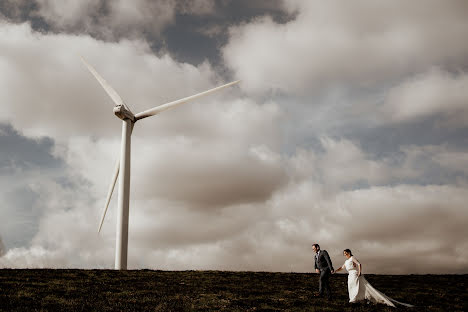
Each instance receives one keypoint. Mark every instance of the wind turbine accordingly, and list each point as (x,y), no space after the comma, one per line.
(122,166)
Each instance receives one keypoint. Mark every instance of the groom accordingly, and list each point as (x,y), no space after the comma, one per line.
(323,265)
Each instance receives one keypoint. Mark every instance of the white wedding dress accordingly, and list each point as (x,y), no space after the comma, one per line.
(360,289)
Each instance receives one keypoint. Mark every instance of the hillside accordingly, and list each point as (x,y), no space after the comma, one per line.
(147,290)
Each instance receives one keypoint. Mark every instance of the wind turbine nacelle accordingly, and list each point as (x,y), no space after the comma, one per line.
(123,113)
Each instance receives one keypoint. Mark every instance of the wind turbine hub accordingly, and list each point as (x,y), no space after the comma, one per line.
(123,113)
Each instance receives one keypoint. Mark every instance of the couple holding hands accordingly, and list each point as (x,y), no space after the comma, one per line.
(359,288)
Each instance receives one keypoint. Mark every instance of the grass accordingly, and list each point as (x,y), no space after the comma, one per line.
(147,290)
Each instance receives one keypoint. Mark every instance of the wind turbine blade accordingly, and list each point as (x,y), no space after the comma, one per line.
(163,107)
(112,93)
(109,193)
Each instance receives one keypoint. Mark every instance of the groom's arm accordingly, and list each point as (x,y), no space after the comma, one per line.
(315,265)
(325,254)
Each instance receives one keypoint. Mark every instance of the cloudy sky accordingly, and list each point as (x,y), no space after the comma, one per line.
(349,128)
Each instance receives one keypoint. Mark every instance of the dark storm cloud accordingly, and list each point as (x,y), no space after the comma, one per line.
(214,182)
(194,38)
(385,140)
(17,10)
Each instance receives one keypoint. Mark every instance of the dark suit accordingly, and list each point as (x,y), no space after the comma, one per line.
(324,265)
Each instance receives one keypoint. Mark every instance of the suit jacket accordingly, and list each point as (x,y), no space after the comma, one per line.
(322,261)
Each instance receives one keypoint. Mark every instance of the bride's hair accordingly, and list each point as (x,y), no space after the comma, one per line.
(348,251)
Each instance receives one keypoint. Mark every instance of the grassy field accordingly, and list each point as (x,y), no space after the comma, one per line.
(146,290)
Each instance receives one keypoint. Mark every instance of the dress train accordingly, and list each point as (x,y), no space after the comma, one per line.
(360,289)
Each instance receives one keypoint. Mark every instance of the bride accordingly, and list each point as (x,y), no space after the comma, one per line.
(359,288)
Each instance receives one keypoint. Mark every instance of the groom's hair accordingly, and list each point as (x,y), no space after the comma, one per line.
(316,246)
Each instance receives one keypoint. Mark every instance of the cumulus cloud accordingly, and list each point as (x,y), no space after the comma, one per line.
(25,163)
(360,44)
(343,164)
(112,20)
(60,217)
(34,257)
(229,176)
(435,93)
(382,223)
(67,14)
(378,224)
(108,19)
